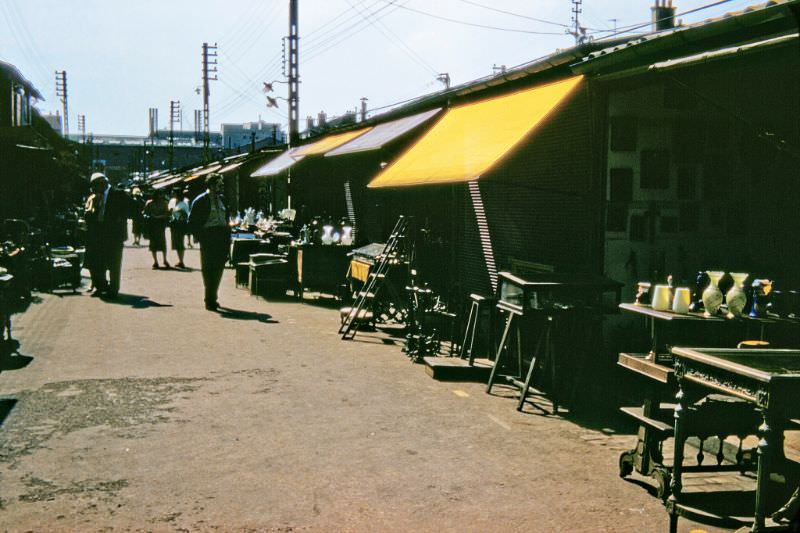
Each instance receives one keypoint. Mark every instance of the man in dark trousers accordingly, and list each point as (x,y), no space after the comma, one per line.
(208,221)
(107,214)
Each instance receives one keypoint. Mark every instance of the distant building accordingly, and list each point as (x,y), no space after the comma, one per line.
(260,133)
(54,121)
(16,94)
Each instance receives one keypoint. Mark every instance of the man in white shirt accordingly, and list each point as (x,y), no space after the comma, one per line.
(208,221)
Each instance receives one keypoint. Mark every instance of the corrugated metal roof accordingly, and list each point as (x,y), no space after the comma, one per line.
(232,166)
(723,53)
(752,15)
(205,171)
(171,180)
(279,164)
(383,134)
(331,141)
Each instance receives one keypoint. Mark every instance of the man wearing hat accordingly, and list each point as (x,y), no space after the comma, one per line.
(208,221)
(107,214)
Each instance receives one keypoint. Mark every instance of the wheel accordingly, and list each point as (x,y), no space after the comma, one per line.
(662,479)
(626,463)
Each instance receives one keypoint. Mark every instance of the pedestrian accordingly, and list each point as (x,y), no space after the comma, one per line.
(137,223)
(107,213)
(178,223)
(208,221)
(188,200)
(157,216)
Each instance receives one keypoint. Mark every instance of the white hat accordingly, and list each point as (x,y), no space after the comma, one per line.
(97,176)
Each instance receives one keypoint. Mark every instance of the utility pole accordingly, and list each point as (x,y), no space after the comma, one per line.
(82,127)
(61,91)
(209,66)
(364,109)
(578,32)
(444,77)
(198,121)
(174,116)
(153,121)
(294,74)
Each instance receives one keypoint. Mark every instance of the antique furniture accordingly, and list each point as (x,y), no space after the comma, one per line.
(560,311)
(766,379)
(269,274)
(655,418)
(321,268)
(480,307)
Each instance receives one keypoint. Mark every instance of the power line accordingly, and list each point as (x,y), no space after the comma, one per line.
(632,27)
(26,47)
(345,33)
(391,36)
(490,8)
(465,23)
(321,32)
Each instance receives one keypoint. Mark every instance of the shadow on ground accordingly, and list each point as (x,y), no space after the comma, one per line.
(14,362)
(238,314)
(135,301)
(6,405)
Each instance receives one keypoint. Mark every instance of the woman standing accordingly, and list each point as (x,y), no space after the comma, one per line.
(179,210)
(157,217)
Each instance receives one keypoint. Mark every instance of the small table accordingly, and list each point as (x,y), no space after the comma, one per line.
(741,327)
(655,418)
(646,457)
(768,379)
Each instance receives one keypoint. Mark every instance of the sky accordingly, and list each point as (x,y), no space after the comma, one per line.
(123,57)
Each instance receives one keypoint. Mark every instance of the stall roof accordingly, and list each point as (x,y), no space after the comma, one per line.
(330,142)
(725,53)
(232,166)
(207,170)
(166,182)
(279,164)
(469,139)
(383,134)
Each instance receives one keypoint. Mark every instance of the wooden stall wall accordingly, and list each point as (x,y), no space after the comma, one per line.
(703,171)
(542,203)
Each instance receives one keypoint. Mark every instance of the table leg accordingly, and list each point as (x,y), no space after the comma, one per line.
(681,414)
(765,444)
(543,338)
(653,340)
(466,349)
(500,350)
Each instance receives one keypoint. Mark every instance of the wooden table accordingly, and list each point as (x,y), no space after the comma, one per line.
(654,421)
(768,379)
(741,328)
(655,418)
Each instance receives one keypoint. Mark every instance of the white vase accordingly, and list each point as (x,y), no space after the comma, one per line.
(712,296)
(736,297)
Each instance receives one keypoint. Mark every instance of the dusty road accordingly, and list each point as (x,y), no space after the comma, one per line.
(153,414)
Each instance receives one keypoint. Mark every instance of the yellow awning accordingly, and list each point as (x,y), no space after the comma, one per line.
(469,139)
(329,143)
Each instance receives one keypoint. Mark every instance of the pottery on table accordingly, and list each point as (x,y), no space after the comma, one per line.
(712,296)
(701,282)
(736,297)
(661,298)
(762,289)
(681,300)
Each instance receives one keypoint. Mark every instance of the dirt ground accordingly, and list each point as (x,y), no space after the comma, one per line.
(153,414)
